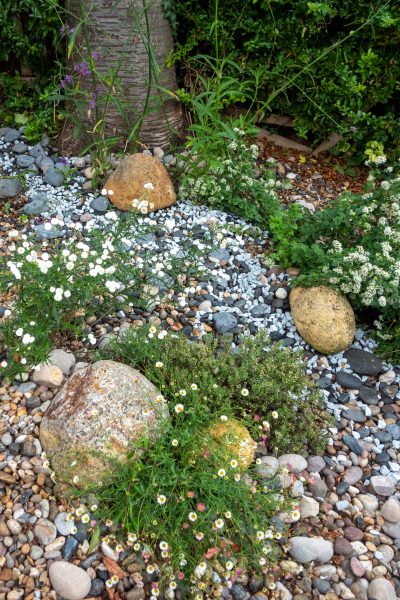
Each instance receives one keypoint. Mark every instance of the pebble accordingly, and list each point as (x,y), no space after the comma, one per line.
(381,589)
(382,485)
(293,462)
(390,510)
(45,531)
(71,582)
(308,549)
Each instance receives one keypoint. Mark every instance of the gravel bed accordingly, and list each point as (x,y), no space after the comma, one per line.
(346,544)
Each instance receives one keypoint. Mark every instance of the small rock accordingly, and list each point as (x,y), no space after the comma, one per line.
(45,531)
(382,485)
(53,177)
(63,525)
(63,360)
(308,507)
(10,187)
(48,375)
(305,550)
(362,362)
(347,380)
(71,582)
(352,475)
(99,205)
(293,462)
(390,510)
(224,321)
(381,589)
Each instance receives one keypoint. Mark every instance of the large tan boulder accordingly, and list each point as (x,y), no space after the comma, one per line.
(128,181)
(99,415)
(230,440)
(323,318)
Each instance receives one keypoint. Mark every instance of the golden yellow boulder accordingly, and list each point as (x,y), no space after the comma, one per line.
(323,318)
(231,440)
(140,182)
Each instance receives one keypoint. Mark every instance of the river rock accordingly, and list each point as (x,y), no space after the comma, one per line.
(362,362)
(48,375)
(10,187)
(96,417)
(129,178)
(293,462)
(381,589)
(305,550)
(382,485)
(308,507)
(45,531)
(71,582)
(63,360)
(391,510)
(323,318)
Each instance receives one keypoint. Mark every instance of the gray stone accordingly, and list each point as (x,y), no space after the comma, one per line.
(354,414)
(53,177)
(352,475)
(347,380)
(19,148)
(368,395)
(318,488)
(352,444)
(315,464)
(224,322)
(63,360)
(391,510)
(381,589)
(268,467)
(10,187)
(24,162)
(392,530)
(63,525)
(305,550)
(369,502)
(48,233)
(36,151)
(44,163)
(99,205)
(45,531)
(362,362)
(71,582)
(308,507)
(11,135)
(35,207)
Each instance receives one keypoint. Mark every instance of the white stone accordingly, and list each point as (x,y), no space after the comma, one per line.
(45,531)
(308,507)
(382,485)
(293,462)
(305,550)
(281,293)
(369,502)
(381,589)
(390,510)
(71,582)
(63,525)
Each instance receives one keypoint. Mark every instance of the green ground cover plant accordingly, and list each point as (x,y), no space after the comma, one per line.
(261,382)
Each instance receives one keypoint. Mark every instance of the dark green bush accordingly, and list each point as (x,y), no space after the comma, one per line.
(336,60)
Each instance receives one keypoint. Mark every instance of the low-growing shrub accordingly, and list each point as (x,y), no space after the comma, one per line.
(261,381)
(188,509)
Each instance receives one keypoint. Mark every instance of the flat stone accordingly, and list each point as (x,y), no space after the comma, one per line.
(347,380)
(11,135)
(71,582)
(392,530)
(63,360)
(356,567)
(381,589)
(24,162)
(19,148)
(343,546)
(293,462)
(353,534)
(354,414)
(308,507)
(47,233)
(352,444)
(382,485)
(362,362)
(35,207)
(305,550)
(99,205)
(315,464)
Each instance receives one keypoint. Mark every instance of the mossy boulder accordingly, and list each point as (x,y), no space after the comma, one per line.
(323,318)
(97,418)
(231,440)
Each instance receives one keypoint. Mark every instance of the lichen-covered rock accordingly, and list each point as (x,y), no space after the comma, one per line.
(129,178)
(231,440)
(323,318)
(97,417)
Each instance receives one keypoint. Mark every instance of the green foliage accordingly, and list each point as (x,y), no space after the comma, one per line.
(331,66)
(29,33)
(273,376)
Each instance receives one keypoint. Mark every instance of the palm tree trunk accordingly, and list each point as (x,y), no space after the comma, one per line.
(130,41)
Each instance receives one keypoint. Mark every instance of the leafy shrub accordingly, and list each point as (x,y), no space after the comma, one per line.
(261,381)
(226,178)
(189,511)
(331,66)
(55,286)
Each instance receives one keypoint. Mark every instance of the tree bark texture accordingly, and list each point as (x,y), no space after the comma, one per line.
(117,35)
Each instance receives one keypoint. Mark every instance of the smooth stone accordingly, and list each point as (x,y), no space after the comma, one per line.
(353,534)
(35,207)
(71,545)
(343,546)
(381,589)
(308,507)
(293,462)
(390,510)
(354,414)
(369,502)
(347,380)
(315,464)
(11,135)
(19,147)
(392,530)
(368,395)
(64,526)
(352,475)
(63,360)
(305,550)
(71,582)
(362,362)
(356,567)
(352,444)
(268,467)
(100,205)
